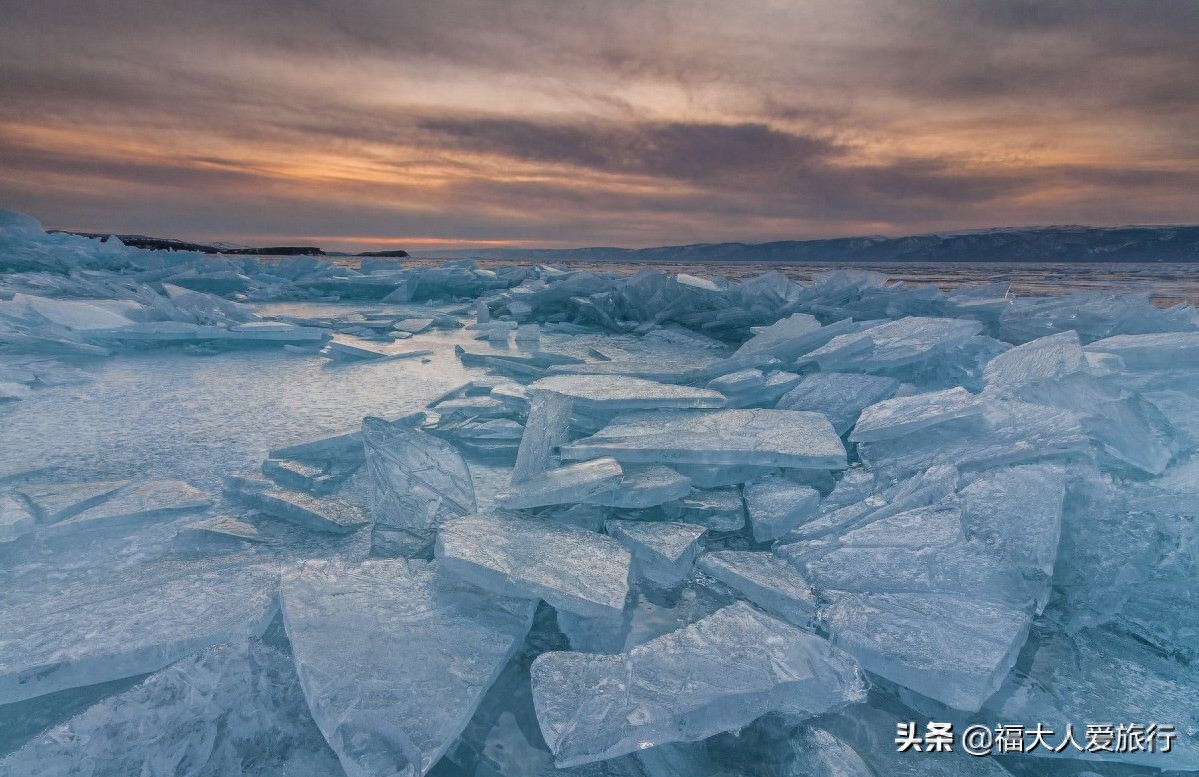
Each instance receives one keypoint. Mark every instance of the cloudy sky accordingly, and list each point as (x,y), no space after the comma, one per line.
(364,124)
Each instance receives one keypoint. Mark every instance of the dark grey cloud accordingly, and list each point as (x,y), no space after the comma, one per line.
(622,120)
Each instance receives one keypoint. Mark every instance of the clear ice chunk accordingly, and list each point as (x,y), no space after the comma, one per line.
(840,396)
(572,569)
(547,427)
(226,710)
(417,480)
(393,665)
(1046,358)
(1157,351)
(715,675)
(619,393)
(771,438)
(954,648)
(767,580)
(894,344)
(563,485)
(663,551)
(645,486)
(127,621)
(904,415)
(777,505)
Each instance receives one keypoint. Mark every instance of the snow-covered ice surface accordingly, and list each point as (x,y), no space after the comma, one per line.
(284,518)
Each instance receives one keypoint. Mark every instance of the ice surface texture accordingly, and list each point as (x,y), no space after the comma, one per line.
(717,674)
(392,665)
(772,438)
(570,568)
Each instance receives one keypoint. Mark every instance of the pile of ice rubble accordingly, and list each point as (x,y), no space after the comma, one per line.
(840,507)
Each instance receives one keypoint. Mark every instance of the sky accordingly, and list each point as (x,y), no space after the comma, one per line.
(423,124)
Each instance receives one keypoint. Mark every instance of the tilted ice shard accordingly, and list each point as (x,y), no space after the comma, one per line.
(645,486)
(393,664)
(622,393)
(772,438)
(222,527)
(1158,351)
(894,343)
(1006,432)
(223,711)
(715,675)
(767,580)
(1047,358)
(417,480)
(562,485)
(548,426)
(663,551)
(153,500)
(780,333)
(903,415)
(955,648)
(323,514)
(127,621)
(777,505)
(840,396)
(570,568)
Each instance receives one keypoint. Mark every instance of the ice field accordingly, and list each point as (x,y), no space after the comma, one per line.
(294,519)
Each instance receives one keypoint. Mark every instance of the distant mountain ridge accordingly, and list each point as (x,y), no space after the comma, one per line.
(1015,244)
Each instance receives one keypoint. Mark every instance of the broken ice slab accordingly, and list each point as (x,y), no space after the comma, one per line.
(715,675)
(774,385)
(417,480)
(771,582)
(72,314)
(344,349)
(663,551)
(719,509)
(955,648)
(903,415)
(741,380)
(612,393)
(133,504)
(16,519)
(651,613)
(127,621)
(780,333)
(1158,351)
(209,714)
(645,486)
(1093,676)
(670,367)
(893,344)
(413,325)
(840,396)
(324,514)
(570,568)
(563,485)
(303,476)
(1006,432)
(392,698)
(223,527)
(777,505)
(547,427)
(771,438)
(58,501)
(1046,358)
